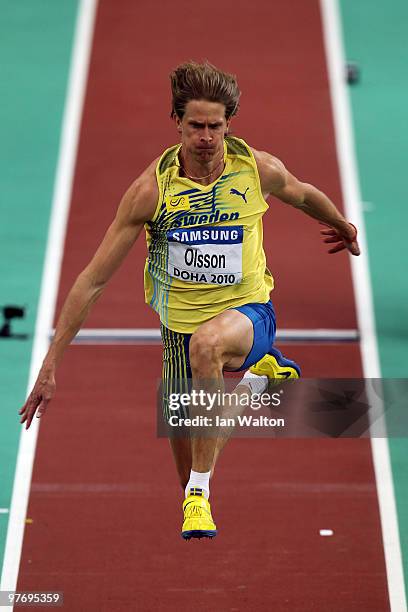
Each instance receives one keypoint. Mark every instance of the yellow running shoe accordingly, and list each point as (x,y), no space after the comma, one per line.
(276,367)
(198,522)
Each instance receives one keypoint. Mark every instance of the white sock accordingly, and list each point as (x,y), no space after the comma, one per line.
(256,384)
(199,481)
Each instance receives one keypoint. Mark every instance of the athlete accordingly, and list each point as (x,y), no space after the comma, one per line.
(201,203)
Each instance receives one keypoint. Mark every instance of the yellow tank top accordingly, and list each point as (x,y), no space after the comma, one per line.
(204,243)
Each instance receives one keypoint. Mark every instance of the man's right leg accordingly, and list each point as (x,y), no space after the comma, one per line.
(176,363)
(177,379)
(176,376)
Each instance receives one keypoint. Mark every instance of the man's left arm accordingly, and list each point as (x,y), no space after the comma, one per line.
(278,181)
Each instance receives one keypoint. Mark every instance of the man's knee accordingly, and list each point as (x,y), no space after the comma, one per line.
(205,351)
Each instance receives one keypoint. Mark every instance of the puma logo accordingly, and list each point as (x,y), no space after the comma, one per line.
(238,193)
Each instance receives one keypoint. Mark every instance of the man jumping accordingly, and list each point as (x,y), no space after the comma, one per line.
(201,203)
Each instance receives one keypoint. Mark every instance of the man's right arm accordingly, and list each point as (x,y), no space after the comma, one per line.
(137,206)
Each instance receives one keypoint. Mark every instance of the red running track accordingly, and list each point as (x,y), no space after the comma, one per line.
(105,503)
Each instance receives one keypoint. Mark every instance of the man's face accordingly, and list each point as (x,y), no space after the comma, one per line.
(202,129)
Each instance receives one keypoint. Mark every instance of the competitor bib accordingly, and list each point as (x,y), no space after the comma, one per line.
(211,255)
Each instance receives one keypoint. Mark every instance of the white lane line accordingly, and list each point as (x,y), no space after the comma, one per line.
(295,488)
(362,290)
(152,336)
(49,286)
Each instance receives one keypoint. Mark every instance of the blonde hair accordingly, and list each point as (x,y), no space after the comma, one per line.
(192,81)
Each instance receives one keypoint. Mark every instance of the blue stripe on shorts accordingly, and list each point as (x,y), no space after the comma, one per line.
(264,323)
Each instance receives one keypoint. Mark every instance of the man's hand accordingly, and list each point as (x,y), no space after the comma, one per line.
(342,239)
(276,180)
(136,208)
(39,397)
